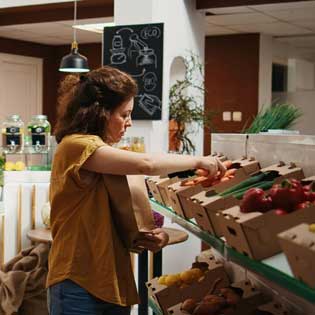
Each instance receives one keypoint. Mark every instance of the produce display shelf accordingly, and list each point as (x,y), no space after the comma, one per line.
(190,226)
(269,270)
(155,308)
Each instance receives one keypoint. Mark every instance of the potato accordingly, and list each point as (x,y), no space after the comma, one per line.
(188,306)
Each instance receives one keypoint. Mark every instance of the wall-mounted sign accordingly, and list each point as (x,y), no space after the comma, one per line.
(138,50)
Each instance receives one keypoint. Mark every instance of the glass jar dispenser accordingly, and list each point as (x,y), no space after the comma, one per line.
(39,133)
(13,134)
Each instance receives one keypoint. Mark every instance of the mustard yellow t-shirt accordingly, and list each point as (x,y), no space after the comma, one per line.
(86,247)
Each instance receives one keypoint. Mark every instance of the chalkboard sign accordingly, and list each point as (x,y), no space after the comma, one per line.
(138,50)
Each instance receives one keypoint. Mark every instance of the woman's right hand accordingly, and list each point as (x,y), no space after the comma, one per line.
(212,165)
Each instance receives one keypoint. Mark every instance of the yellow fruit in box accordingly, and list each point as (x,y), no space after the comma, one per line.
(312,228)
(187,276)
(172,280)
(162,280)
(20,166)
(9,166)
(197,273)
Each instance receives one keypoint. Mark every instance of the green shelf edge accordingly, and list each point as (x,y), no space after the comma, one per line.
(275,275)
(155,308)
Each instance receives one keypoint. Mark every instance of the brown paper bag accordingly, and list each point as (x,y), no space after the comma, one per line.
(130,207)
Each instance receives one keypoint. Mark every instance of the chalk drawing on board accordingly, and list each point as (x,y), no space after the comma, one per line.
(149,81)
(136,44)
(149,103)
(124,29)
(146,57)
(138,75)
(139,48)
(150,32)
(118,55)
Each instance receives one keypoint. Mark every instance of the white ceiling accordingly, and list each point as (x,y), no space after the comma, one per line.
(293,23)
(19,3)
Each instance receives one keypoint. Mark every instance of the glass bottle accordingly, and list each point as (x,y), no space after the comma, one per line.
(138,144)
(13,134)
(39,132)
(124,144)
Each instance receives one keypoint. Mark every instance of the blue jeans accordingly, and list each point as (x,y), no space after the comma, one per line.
(68,298)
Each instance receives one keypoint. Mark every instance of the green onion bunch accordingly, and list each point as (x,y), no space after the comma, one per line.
(277,116)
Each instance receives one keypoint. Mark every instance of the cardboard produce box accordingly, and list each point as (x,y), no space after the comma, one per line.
(158,187)
(272,308)
(298,244)
(219,156)
(255,233)
(180,196)
(250,300)
(207,205)
(167,296)
(177,196)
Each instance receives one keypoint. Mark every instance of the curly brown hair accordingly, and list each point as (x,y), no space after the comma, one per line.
(84,101)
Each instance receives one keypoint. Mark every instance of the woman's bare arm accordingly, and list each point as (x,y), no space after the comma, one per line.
(109,160)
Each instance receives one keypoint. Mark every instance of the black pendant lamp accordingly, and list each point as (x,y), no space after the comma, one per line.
(74,62)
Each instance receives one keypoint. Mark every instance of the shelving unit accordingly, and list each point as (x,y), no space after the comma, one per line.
(274,269)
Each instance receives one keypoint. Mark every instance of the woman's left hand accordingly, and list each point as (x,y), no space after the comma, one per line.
(154,240)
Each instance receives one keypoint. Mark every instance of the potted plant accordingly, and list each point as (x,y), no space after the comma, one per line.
(186,106)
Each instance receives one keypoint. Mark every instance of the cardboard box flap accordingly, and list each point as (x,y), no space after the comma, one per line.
(178,187)
(235,213)
(300,235)
(308,179)
(248,166)
(274,307)
(204,198)
(245,286)
(219,156)
(284,169)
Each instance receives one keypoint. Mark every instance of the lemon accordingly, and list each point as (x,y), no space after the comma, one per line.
(172,280)
(9,166)
(19,166)
(312,228)
(162,280)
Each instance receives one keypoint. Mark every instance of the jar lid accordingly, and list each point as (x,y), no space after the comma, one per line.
(14,117)
(40,116)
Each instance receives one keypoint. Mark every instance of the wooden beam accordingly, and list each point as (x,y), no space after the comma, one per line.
(56,12)
(211,4)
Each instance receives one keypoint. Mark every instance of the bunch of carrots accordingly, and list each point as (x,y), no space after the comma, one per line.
(206,181)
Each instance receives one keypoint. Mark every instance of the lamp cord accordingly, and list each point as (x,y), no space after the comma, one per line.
(75,22)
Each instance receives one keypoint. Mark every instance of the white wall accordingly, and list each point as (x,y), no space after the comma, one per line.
(305,100)
(265,71)
(182,34)
(301,75)
(183,31)
(301,85)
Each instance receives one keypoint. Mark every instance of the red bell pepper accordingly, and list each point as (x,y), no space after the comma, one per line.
(309,192)
(303,205)
(255,200)
(287,195)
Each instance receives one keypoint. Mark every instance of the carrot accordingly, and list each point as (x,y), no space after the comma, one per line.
(201,172)
(224,179)
(227,163)
(200,179)
(187,183)
(229,172)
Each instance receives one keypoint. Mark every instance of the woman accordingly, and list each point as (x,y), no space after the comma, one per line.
(89,268)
